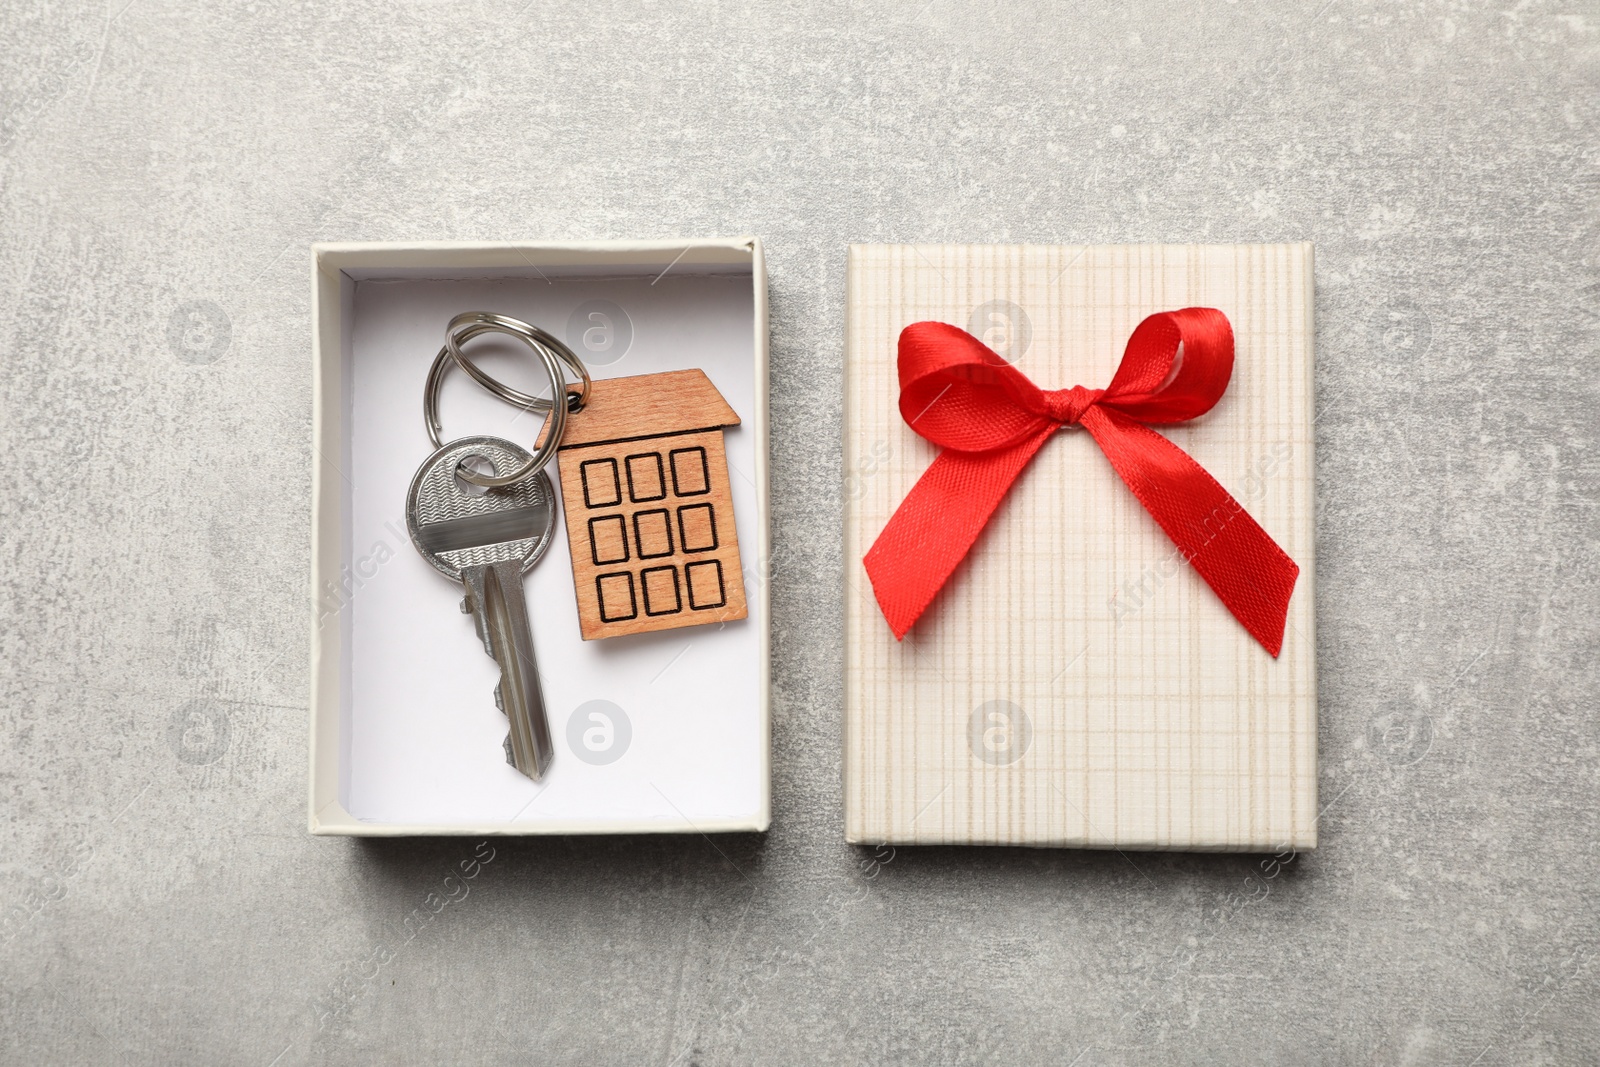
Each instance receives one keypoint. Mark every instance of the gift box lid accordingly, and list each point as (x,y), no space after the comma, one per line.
(1075,683)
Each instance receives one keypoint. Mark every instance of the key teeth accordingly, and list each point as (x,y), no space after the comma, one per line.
(500,621)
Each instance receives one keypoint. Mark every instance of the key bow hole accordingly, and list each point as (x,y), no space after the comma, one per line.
(477,464)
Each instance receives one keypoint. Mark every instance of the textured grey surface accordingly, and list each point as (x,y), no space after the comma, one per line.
(163,169)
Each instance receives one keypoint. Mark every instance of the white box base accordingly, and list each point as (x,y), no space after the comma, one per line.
(405,735)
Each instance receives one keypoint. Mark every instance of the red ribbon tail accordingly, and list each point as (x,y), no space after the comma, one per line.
(1239,560)
(931,532)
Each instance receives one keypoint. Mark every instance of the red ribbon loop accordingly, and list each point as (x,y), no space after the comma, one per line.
(990,420)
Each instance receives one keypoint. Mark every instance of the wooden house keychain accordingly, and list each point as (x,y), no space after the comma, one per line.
(644,484)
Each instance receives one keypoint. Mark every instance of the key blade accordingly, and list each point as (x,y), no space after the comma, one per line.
(500,610)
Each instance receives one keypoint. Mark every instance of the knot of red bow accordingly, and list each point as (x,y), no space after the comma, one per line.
(990,419)
(1067,406)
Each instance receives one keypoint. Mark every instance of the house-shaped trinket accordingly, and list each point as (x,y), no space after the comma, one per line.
(644,483)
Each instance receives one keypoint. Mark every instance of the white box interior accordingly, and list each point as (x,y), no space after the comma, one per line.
(403,692)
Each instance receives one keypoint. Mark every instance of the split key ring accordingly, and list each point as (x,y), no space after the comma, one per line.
(552,354)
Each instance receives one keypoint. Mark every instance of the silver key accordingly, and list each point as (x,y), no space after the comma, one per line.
(486,540)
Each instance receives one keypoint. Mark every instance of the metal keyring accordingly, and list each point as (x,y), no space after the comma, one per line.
(555,423)
(531,335)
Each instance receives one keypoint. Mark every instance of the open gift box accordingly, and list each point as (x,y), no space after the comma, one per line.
(663,731)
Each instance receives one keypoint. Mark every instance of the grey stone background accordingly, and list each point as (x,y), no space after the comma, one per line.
(163,168)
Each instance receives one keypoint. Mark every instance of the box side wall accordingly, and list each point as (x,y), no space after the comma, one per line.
(856,827)
(759,589)
(452,259)
(1311,806)
(331,294)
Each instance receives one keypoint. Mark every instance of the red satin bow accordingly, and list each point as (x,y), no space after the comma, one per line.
(990,420)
